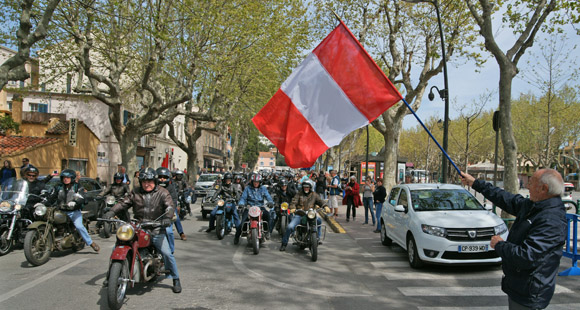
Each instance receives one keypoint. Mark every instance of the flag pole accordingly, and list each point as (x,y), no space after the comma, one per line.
(435,140)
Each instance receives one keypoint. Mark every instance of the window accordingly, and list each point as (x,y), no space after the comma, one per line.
(271,163)
(271,158)
(78,165)
(68,83)
(39,107)
(87,185)
(126,116)
(403,199)
(261,163)
(441,200)
(393,195)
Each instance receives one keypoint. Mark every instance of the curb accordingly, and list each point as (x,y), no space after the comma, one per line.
(336,227)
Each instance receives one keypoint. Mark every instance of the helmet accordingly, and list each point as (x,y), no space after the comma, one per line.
(283,182)
(178,174)
(228,175)
(29,169)
(306,184)
(163,172)
(118,176)
(147,174)
(256,177)
(238,177)
(68,173)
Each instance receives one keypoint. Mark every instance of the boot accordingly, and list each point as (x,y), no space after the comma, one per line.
(282,248)
(236,239)
(95,247)
(209,230)
(183,237)
(176,286)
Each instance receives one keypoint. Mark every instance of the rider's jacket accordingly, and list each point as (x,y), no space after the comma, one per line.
(62,196)
(306,201)
(117,190)
(255,196)
(180,186)
(35,187)
(228,191)
(148,205)
(283,197)
(172,191)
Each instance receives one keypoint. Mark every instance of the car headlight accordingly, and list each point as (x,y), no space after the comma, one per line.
(311,214)
(17,207)
(500,229)
(220,203)
(125,232)
(39,209)
(110,200)
(284,206)
(434,230)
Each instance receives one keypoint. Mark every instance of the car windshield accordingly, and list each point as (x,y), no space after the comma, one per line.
(443,200)
(208,178)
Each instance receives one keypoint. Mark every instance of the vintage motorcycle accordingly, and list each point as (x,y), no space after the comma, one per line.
(254,228)
(183,205)
(306,234)
(106,229)
(282,217)
(52,230)
(135,259)
(13,199)
(224,217)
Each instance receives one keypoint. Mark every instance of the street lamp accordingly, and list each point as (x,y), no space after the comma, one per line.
(444,93)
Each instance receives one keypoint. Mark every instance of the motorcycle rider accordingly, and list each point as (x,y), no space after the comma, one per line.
(164,180)
(304,200)
(226,190)
(149,202)
(35,187)
(118,189)
(282,195)
(254,195)
(182,188)
(64,194)
(238,182)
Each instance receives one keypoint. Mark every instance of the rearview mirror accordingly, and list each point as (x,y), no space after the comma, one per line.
(400,208)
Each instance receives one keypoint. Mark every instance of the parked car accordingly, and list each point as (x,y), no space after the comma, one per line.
(205,183)
(440,224)
(92,187)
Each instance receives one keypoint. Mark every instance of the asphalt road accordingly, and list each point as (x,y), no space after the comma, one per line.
(354,271)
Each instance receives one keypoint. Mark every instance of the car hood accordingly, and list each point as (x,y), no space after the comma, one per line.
(459,219)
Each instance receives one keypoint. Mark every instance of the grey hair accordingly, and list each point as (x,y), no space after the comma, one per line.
(554,181)
(352,177)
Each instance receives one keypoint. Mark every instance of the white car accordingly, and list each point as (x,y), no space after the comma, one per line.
(440,224)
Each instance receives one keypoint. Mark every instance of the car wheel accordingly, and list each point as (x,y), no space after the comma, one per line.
(412,253)
(384,239)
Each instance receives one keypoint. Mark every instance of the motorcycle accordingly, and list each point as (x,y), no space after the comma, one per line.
(306,234)
(135,259)
(51,231)
(13,198)
(282,217)
(224,219)
(183,205)
(106,229)
(254,228)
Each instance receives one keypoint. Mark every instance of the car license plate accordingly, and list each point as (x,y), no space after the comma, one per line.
(472,248)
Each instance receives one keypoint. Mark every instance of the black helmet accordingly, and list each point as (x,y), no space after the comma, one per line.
(238,177)
(68,173)
(228,175)
(256,177)
(118,176)
(29,169)
(283,182)
(147,174)
(163,172)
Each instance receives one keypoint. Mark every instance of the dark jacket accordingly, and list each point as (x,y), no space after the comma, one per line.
(117,190)
(11,174)
(321,184)
(531,254)
(172,191)
(62,196)
(228,191)
(282,197)
(306,201)
(148,206)
(380,194)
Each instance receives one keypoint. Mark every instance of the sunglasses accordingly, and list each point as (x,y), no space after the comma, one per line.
(31,175)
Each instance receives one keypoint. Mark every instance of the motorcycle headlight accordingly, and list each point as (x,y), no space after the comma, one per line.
(220,203)
(284,206)
(500,229)
(17,207)
(4,206)
(311,214)
(434,230)
(39,209)
(125,232)
(110,200)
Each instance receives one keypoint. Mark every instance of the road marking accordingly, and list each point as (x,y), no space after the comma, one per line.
(437,276)
(390,264)
(464,291)
(237,260)
(364,238)
(34,283)
(390,254)
(551,307)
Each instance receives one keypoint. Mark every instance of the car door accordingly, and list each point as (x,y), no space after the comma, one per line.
(389,210)
(401,219)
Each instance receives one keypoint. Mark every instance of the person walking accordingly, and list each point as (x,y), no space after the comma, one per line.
(379,196)
(368,189)
(335,192)
(321,185)
(531,254)
(7,172)
(351,198)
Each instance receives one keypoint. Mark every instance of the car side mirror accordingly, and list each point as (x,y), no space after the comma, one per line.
(488,207)
(400,208)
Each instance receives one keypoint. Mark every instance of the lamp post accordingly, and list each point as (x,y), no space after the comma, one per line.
(443,93)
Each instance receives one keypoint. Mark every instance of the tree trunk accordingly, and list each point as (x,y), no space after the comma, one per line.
(192,166)
(128,147)
(391,137)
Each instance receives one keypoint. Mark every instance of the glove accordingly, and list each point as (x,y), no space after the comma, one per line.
(188,199)
(109,215)
(71,205)
(326,209)
(166,222)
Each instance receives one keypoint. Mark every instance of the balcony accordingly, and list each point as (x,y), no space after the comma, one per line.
(213,151)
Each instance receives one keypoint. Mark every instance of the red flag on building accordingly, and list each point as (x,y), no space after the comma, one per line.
(338,88)
(165,163)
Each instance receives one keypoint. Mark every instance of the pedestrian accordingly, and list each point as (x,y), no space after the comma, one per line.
(136,180)
(368,189)
(531,254)
(6,173)
(379,196)
(335,192)
(25,163)
(123,171)
(321,185)
(351,198)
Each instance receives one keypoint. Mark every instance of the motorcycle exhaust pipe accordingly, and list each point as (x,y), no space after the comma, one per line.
(148,274)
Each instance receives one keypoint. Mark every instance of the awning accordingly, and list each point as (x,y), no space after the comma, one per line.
(409,165)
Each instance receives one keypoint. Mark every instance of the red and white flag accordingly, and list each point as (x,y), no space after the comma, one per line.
(338,88)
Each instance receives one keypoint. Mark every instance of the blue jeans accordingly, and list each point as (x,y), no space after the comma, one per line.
(379,207)
(77,218)
(272,220)
(169,231)
(162,245)
(368,203)
(292,226)
(212,216)
(178,223)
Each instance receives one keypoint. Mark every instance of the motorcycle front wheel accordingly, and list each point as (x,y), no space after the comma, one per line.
(283,225)
(5,244)
(255,241)
(314,245)
(220,230)
(106,230)
(36,251)
(117,287)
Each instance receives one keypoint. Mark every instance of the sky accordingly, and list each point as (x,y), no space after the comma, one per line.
(466,84)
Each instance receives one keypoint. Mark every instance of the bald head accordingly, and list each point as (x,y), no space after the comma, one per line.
(545,184)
